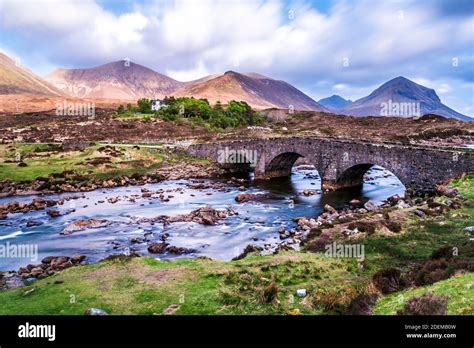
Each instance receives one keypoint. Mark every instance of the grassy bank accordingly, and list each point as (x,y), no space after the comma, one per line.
(459,289)
(97,161)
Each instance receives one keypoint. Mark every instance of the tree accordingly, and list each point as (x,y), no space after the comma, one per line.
(144,106)
(120,109)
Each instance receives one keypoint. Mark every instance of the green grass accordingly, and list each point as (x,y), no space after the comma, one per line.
(43,160)
(134,116)
(138,286)
(148,286)
(465,186)
(459,289)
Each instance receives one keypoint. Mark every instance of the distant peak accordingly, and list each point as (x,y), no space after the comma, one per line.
(400,79)
(231,72)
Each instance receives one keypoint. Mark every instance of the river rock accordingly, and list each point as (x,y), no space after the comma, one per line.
(419,213)
(157,248)
(35,272)
(10,280)
(113,200)
(393,200)
(329,209)
(80,225)
(250,197)
(370,206)
(95,311)
(178,250)
(58,263)
(355,202)
(78,258)
(205,216)
(446,191)
(308,192)
(401,204)
(53,213)
(248,249)
(48,259)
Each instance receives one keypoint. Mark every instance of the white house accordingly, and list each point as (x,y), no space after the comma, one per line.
(155,104)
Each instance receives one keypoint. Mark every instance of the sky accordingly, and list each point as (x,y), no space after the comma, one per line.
(322,47)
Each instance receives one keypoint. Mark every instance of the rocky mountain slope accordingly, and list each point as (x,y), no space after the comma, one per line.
(16,79)
(259,91)
(117,80)
(401,97)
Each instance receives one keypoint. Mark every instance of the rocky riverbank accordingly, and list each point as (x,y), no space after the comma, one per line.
(69,181)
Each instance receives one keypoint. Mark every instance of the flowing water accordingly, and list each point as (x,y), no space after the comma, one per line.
(256,223)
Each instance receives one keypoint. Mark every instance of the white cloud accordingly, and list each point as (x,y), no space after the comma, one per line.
(188,38)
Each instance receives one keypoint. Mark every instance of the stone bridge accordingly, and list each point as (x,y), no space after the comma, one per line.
(341,163)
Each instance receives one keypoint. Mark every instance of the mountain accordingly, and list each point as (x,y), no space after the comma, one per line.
(117,80)
(392,97)
(259,91)
(334,102)
(15,79)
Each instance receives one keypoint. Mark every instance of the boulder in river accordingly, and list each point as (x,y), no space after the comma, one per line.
(251,197)
(248,249)
(80,225)
(157,248)
(161,248)
(205,216)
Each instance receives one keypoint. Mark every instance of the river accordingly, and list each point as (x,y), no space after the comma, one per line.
(256,223)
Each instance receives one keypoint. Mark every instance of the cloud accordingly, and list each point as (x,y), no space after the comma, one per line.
(354,43)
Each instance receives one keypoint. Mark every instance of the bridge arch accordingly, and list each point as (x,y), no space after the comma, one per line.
(353,175)
(281,164)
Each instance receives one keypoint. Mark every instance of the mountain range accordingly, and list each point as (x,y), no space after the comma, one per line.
(334,102)
(130,81)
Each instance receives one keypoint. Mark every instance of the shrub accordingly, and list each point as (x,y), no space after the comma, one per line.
(364,226)
(427,304)
(144,106)
(318,243)
(388,280)
(269,293)
(337,299)
(362,304)
(445,252)
(120,109)
(393,226)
